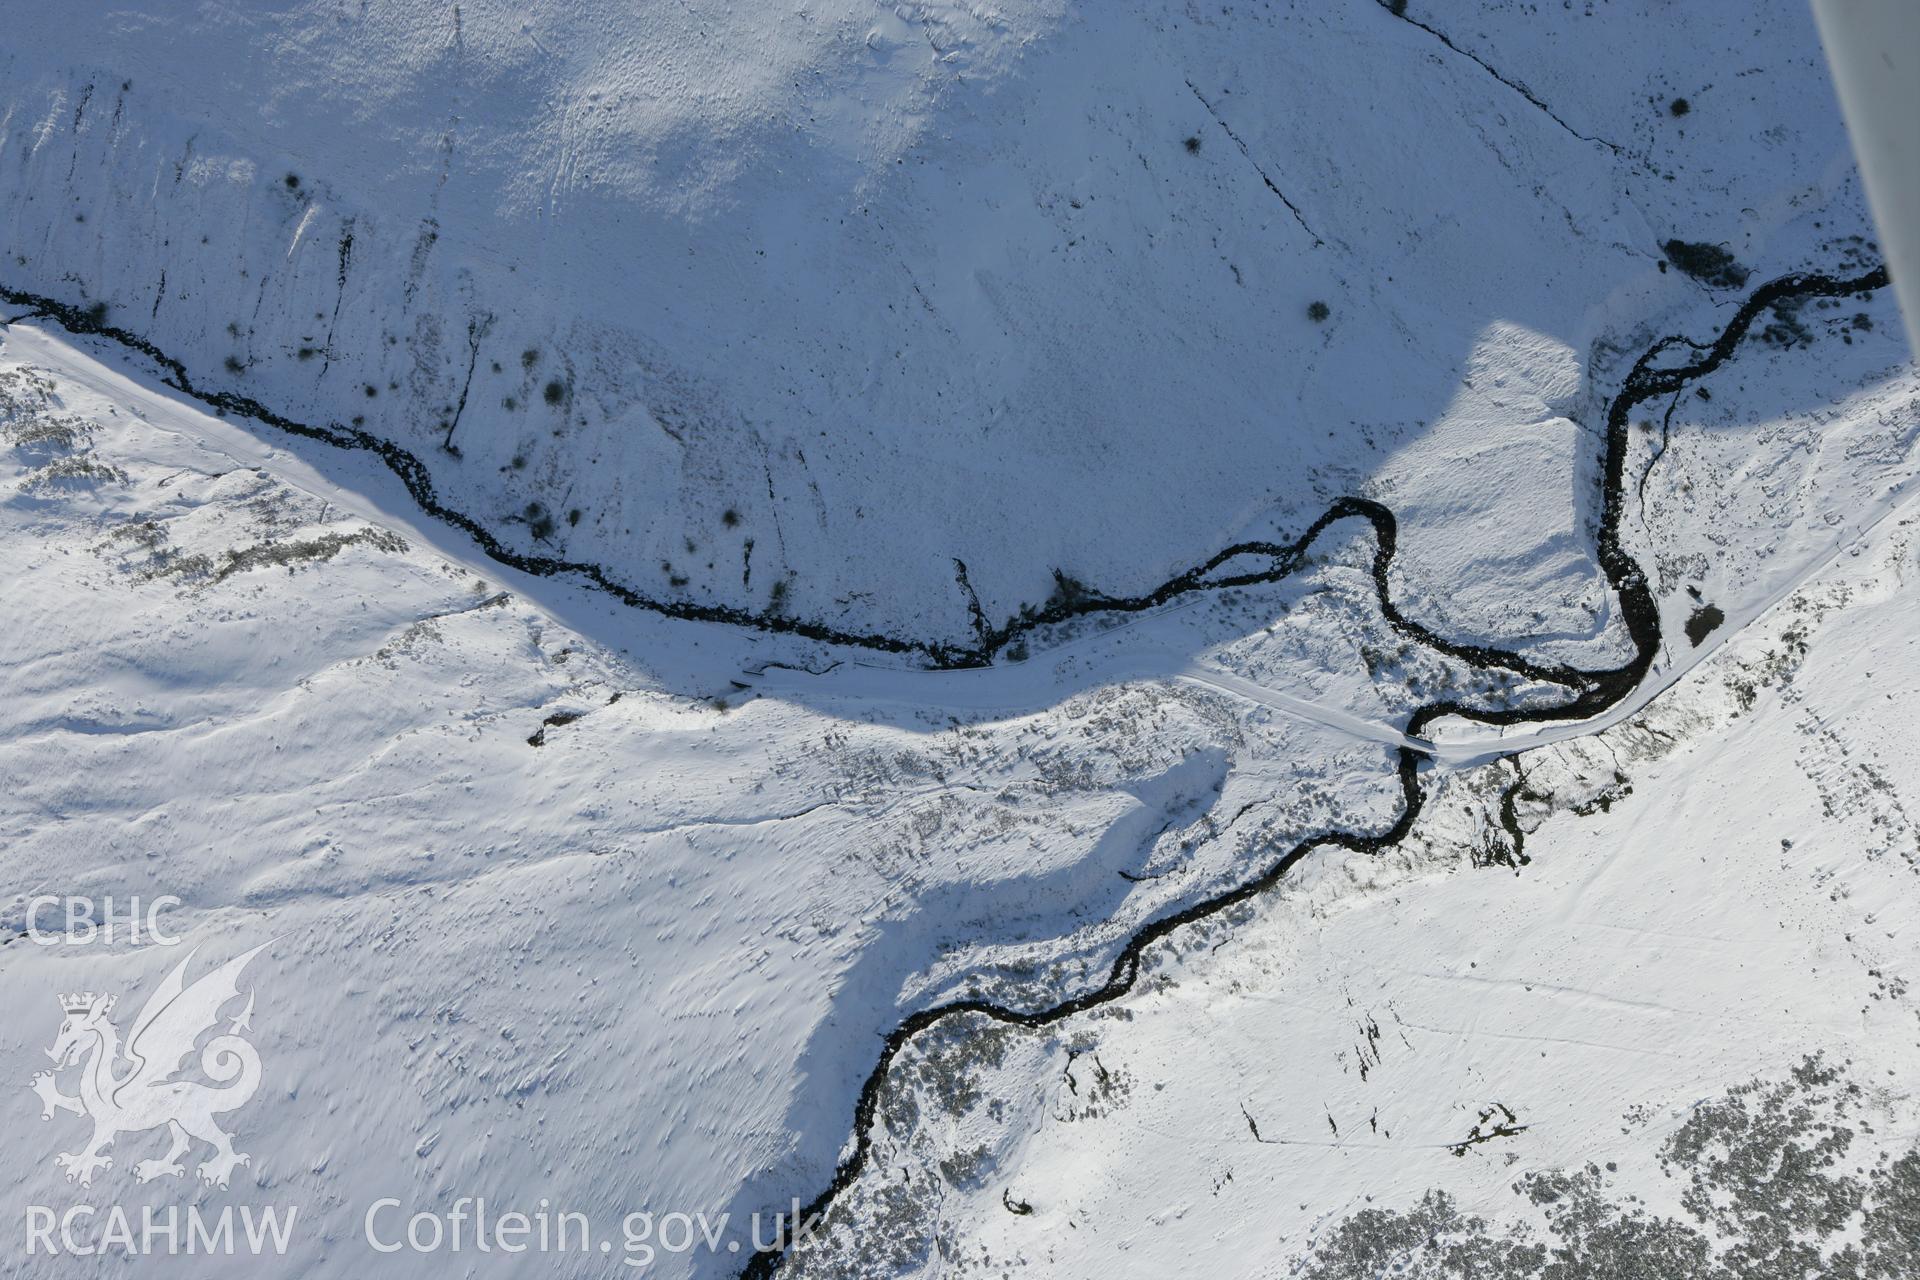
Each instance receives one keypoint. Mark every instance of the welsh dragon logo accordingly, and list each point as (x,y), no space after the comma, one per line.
(146,1092)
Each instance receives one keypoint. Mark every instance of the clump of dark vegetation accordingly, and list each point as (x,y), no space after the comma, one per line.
(1679,106)
(28,422)
(1068,592)
(730,517)
(539,521)
(203,570)
(1786,328)
(76,470)
(530,357)
(1192,143)
(1318,311)
(555,391)
(1704,622)
(1775,1185)
(293,182)
(554,721)
(1707,263)
(1861,322)
(1067,596)
(234,365)
(272,554)
(95,312)
(371,391)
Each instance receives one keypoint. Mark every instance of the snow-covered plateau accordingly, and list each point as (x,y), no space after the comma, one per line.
(1081,639)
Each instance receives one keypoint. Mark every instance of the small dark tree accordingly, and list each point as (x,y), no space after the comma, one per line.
(1707,263)
(1068,592)
(1705,620)
(1318,311)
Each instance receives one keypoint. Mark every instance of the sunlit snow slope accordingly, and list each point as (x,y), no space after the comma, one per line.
(794,310)
(791,308)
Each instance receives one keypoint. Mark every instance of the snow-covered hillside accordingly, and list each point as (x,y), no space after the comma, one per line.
(1672,1034)
(636,965)
(483,489)
(790,308)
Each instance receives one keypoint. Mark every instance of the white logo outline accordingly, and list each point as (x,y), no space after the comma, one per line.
(148,1094)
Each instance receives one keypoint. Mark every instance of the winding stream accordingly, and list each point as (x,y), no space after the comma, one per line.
(1590,693)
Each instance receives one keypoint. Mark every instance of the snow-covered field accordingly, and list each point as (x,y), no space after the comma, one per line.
(899,321)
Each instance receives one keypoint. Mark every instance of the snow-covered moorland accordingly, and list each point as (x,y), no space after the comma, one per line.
(787,309)
(482,486)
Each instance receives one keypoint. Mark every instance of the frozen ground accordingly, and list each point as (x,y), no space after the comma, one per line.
(1716,894)
(788,309)
(245,673)
(800,309)
(662,943)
